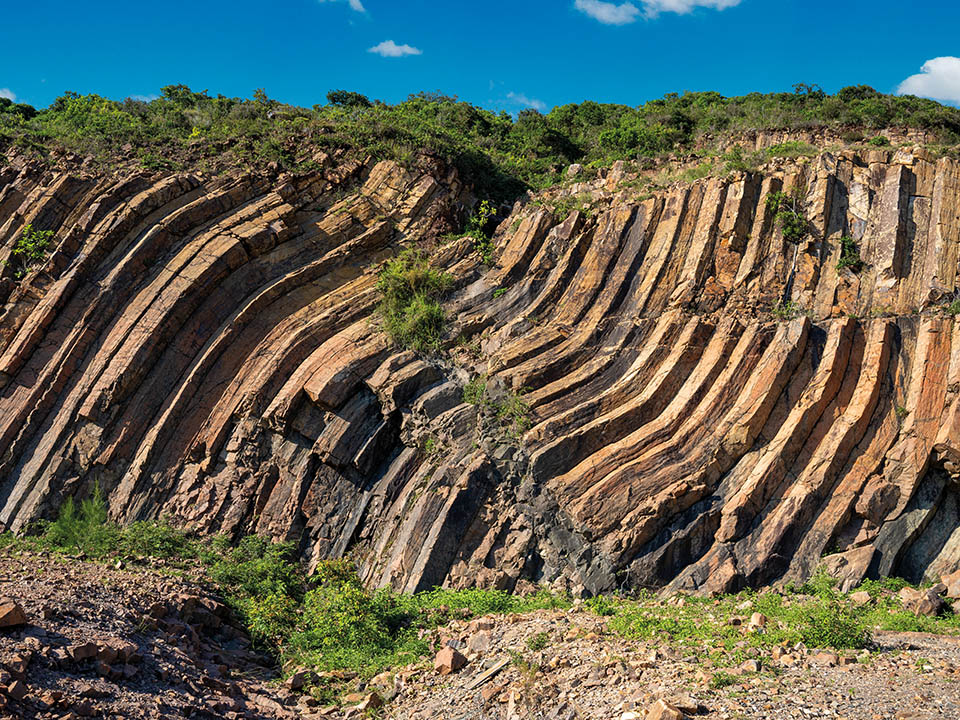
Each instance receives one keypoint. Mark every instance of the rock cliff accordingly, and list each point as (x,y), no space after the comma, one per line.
(207,348)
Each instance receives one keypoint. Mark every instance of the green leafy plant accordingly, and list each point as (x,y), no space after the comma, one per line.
(786,311)
(828,623)
(787,215)
(409,308)
(879,141)
(538,641)
(849,255)
(792,149)
(85,528)
(474,392)
(477,229)
(513,412)
(722,679)
(30,249)
(601,605)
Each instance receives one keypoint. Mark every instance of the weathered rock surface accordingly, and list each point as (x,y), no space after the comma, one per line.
(204,348)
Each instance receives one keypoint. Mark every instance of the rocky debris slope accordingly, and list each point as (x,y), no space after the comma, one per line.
(79,640)
(110,643)
(580,671)
(204,348)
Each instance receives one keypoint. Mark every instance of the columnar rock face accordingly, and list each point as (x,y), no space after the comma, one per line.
(208,350)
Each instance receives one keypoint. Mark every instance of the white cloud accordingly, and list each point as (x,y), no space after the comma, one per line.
(682,7)
(608,13)
(388,48)
(939,79)
(7,93)
(145,98)
(625,13)
(522,99)
(354,4)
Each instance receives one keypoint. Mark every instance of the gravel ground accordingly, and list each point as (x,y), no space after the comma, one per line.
(111,642)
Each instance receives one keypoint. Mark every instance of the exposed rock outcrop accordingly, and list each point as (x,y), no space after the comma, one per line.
(207,348)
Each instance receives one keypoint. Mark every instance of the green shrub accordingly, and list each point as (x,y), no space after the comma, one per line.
(410,301)
(474,392)
(828,623)
(477,228)
(849,255)
(538,641)
(786,311)
(270,619)
(601,605)
(722,679)
(257,567)
(84,529)
(30,249)
(879,141)
(737,161)
(157,539)
(513,412)
(787,215)
(792,149)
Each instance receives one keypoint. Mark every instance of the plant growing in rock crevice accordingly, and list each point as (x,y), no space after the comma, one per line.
(29,250)
(477,230)
(849,255)
(787,311)
(509,411)
(410,307)
(787,214)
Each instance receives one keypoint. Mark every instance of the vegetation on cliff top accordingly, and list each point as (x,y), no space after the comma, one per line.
(500,153)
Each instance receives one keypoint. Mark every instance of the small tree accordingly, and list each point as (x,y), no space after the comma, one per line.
(345,98)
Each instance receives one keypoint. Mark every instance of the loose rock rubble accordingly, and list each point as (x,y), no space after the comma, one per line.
(587,673)
(97,642)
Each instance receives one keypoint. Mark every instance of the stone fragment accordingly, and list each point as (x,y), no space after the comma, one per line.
(921,602)
(84,651)
(952,582)
(370,701)
(861,597)
(448,661)
(662,710)
(479,642)
(826,658)
(17,690)
(479,624)
(11,614)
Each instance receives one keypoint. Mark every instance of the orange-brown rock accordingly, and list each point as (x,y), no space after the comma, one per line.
(11,614)
(207,348)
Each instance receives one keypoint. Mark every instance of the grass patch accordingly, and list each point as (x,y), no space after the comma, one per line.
(792,149)
(410,308)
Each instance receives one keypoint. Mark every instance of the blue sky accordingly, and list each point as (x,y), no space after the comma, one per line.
(506,54)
